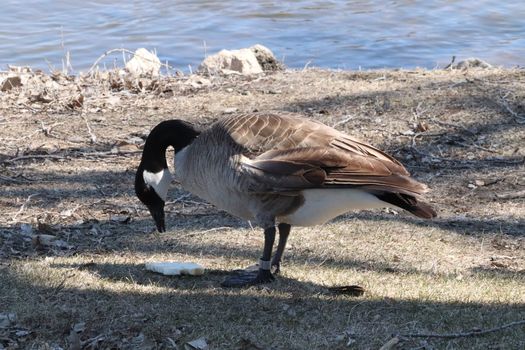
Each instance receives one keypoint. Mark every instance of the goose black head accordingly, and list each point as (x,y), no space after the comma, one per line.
(151,188)
(153,178)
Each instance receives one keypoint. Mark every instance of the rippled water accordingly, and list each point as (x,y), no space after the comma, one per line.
(335,34)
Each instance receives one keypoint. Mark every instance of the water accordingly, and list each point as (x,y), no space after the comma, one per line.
(332,34)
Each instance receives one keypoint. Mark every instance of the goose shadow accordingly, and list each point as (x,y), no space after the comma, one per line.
(124,302)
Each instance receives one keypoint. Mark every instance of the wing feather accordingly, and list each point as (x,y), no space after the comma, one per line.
(286,152)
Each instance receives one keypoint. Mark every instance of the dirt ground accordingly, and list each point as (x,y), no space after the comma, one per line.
(74,239)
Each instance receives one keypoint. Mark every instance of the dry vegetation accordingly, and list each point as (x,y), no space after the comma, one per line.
(69,148)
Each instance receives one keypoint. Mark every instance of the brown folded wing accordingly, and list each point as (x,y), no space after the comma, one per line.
(289,153)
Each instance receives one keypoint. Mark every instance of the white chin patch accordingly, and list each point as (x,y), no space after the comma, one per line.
(159,181)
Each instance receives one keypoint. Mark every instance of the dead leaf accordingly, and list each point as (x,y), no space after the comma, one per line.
(128,148)
(422,127)
(479,183)
(47,148)
(197,344)
(121,219)
(76,102)
(353,290)
(43,240)
(499,264)
(41,97)
(390,344)
(247,344)
(44,227)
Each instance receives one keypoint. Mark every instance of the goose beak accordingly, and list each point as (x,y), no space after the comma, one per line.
(157,212)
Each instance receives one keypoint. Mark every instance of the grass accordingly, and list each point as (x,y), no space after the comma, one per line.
(463,271)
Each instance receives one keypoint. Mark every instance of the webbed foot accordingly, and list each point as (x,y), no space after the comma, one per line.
(245,278)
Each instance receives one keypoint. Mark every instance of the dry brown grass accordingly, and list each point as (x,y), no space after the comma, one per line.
(67,170)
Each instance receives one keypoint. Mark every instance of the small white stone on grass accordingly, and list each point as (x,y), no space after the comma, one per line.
(173,268)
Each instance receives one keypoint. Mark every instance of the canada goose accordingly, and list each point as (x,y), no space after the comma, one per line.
(274,168)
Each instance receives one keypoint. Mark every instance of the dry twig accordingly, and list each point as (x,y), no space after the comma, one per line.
(22,208)
(504,103)
(343,121)
(11,179)
(92,136)
(34,156)
(474,333)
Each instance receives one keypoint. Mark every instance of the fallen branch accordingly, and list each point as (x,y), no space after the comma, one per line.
(104,154)
(511,195)
(11,179)
(460,163)
(455,126)
(34,156)
(475,146)
(475,333)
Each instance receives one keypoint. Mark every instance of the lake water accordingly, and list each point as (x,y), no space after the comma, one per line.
(332,34)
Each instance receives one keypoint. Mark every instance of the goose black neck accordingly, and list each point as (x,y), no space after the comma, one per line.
(175,133)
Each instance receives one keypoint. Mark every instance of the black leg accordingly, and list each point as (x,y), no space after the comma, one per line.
(284,232)
(263,275)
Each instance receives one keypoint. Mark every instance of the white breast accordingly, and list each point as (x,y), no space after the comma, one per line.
(321,205)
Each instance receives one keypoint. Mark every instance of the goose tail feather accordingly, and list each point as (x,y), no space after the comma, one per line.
(408,203)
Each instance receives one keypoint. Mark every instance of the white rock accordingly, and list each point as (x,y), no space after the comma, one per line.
(144,62)
(241,61)
(173,268)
